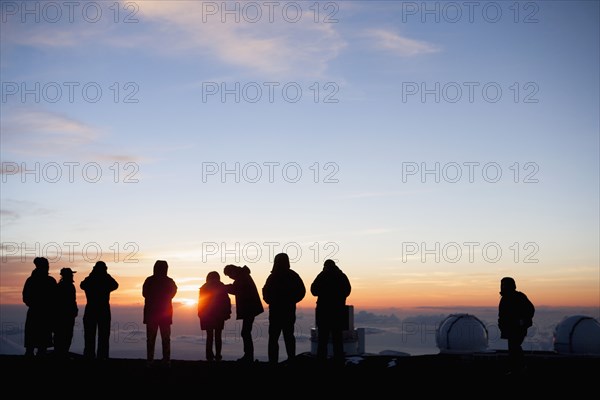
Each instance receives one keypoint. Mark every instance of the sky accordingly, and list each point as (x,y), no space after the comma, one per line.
(429,148)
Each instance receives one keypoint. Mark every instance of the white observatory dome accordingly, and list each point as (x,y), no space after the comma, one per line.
(578,334)
(461,333)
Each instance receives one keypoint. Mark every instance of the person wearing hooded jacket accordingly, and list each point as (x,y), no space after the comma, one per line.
(158,291)
(247,304)
(96,315)
(214,308)
(282,290)
(331,287)
(515,316)
(39,292)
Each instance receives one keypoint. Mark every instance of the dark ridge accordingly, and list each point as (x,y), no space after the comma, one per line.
(371,375)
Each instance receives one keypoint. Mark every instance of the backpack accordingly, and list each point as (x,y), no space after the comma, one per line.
(527,310)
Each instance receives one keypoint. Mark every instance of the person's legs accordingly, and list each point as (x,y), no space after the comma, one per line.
(59,339)
(210,356)
(89,333)
(516,355)
(218,344)
(103,337)
(290,340)
(151,332)
(337,339)
(165,338)
(322,341)
(63,336)
(29,338)
(247,338)
(69,335)
(273,346)
(48,333)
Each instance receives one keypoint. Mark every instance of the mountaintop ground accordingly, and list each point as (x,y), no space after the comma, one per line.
(375,375)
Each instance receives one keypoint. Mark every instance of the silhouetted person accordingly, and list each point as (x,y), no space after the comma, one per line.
(96,316)
(515,316)
(247,304)
(282,290)
(39,293)
(214,308)
(65,313)
(158,291)
(331,287)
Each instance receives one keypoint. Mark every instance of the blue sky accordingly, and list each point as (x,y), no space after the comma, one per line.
(386,76)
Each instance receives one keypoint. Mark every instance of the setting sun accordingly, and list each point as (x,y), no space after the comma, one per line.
(188,302)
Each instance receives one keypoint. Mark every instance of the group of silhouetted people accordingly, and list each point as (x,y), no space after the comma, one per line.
(52,309)
(282,291)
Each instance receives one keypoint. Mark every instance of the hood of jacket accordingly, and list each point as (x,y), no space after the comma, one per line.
(161,268)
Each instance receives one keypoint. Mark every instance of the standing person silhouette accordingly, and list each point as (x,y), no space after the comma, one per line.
(282,290)
(66,312)
(515,316)
(158,291)
(214,308)
(247,304)
(96,316)
(331,287)
(38,294)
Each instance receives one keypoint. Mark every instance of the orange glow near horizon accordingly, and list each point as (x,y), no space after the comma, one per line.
(401,298)
(477,291)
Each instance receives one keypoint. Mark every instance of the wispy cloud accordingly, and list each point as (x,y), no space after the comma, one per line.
(391,41)
(8,216)
(13,210)
(276,48)
(41,132)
